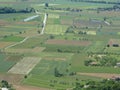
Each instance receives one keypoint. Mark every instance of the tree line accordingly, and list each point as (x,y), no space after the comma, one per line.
(5,10)
(91,1)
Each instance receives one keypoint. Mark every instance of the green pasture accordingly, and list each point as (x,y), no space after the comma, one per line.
(12,39)
(97,46)
(53,21)
(5,65)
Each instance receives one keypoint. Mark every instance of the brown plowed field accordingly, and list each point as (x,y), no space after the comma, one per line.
(12,78)
(3,23)
(22,87)
(100,75)
(5,44)
(68,42)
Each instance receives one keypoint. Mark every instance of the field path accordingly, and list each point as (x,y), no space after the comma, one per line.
(42,32)
(17,43)
(44,24)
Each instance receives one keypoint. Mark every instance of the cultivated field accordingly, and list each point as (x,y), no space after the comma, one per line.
(76,32)
(69,42)
(24,66)
(34,50)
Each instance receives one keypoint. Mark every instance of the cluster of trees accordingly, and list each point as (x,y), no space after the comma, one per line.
(101,61)
(65,9)
(101,85)
(57,72)
(4,10)
(71,29)
(115,8)
(5,84)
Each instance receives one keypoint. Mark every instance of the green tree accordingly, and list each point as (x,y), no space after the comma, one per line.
(46,5)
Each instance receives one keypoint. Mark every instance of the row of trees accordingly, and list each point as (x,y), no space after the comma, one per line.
(4,10)
(115,8)
(65,9)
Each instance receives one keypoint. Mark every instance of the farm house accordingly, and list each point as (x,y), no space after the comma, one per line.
(118,64)
(114,43)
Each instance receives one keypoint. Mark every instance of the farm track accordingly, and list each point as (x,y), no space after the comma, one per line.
(42,32)
(17,43)
(44,24)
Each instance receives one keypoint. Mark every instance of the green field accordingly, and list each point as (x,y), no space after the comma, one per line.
(12,39)
(66,20)
(5,65)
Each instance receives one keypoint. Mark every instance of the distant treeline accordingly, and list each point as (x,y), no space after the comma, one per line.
(115,8)
(4,10)
(90,1)
(65,9)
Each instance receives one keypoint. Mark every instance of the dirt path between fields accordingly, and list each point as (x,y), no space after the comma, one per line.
(44,24)
(17,43)
(100,75)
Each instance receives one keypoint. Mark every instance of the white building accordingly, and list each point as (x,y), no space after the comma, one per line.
(4,88)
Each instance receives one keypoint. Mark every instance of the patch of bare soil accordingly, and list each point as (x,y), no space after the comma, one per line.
(23,87)
(5,44)
(100,75)
(12,78)
(3,23)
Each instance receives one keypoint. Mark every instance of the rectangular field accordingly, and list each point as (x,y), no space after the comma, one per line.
(5,44)
(26,50)
(25,65)
(5,65)
(55,29)
(68,42)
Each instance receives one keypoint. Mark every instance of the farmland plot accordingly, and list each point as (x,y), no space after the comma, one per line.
(69,42)
(53,16)
(55,29)
(34,50)
(5,65)
(25,65)
(5,44)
